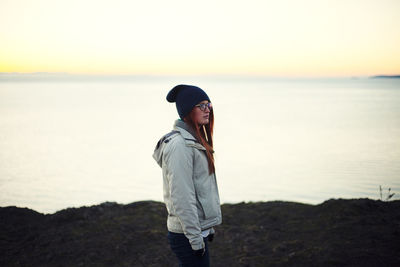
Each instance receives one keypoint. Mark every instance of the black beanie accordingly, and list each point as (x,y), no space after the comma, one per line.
(186,97)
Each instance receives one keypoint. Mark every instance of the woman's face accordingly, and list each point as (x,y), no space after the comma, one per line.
(202,117)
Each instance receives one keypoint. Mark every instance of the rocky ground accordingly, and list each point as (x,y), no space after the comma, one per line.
(355,232)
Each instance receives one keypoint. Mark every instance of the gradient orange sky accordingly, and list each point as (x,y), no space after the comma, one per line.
(254,37)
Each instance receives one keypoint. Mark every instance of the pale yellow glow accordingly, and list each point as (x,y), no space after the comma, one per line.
(309,37)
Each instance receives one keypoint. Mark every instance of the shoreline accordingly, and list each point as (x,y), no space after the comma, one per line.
(116,203)
(112,203)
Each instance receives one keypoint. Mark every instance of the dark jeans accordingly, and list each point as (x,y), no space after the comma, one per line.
(181,247)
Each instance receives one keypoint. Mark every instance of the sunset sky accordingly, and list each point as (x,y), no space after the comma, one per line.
(253,37)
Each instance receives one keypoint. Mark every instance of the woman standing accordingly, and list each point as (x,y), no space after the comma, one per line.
(190,187)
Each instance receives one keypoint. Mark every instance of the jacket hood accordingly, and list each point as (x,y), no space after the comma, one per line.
(157,154)
(158,151)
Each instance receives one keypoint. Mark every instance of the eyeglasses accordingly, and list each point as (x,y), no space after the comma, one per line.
(203,106)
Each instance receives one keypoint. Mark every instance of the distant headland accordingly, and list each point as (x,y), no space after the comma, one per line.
(386,77)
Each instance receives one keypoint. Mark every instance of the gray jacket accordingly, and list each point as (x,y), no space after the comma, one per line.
(190,192)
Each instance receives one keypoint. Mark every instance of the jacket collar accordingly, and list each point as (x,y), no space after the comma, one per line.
(188,134)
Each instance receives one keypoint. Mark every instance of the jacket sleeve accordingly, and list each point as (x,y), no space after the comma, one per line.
(183,196)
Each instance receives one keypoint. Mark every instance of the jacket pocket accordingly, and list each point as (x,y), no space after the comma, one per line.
(209,208)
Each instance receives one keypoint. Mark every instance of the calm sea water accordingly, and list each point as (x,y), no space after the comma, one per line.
(74,143)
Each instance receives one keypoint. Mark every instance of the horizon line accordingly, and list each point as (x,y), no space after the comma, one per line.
(44,75)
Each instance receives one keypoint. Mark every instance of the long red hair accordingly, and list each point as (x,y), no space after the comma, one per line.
(204,134)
